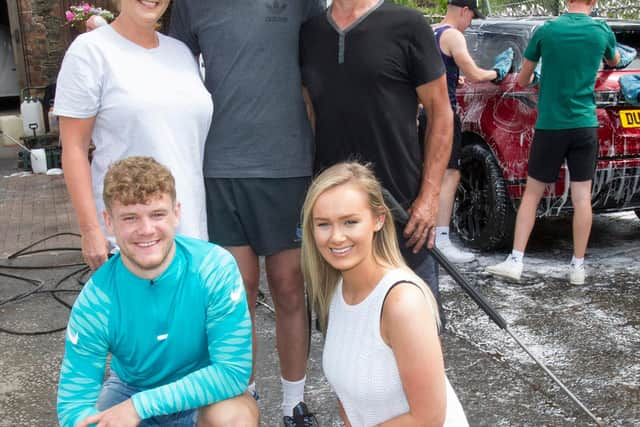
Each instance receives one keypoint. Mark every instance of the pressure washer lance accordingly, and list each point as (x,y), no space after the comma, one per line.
(15,141)
(400,215)
(261,300)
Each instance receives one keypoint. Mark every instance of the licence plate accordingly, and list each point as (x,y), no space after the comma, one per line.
(630,118)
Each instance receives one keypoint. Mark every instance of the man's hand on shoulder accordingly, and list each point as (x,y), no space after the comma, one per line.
(94,22)
(121,415)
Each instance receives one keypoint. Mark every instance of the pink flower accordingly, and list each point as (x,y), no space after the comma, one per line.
(86,7)
(69,15)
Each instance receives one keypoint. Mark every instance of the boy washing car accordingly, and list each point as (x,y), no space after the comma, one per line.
(455,55)
(571,48)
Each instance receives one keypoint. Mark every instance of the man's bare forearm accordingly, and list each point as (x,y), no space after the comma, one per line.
(437,145)
(438,140)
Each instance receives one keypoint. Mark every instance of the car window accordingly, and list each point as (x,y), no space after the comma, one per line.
(629,37)
(484,46)
(486,40)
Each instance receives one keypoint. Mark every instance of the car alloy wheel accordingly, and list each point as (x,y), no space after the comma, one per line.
(483,213)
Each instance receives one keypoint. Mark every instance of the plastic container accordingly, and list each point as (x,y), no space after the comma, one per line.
(11,126)
(38,160)
(32,117)
(53,155)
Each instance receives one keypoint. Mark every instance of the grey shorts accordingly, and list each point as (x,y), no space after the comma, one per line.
(263,213)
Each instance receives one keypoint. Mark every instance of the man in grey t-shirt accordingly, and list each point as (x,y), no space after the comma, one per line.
(258,154)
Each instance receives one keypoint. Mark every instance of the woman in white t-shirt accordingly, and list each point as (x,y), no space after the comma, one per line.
(132,92)
(382,353)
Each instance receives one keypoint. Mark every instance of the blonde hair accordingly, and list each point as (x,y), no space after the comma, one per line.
(320,276)
(135,180)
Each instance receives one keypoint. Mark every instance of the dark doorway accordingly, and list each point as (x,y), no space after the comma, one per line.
(9,88)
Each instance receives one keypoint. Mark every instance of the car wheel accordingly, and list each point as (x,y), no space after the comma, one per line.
(483,214)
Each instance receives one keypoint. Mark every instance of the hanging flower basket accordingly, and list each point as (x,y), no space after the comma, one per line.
(77,16)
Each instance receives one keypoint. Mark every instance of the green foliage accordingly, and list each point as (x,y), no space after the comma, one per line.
(609,8)
(427,7)
(407,3)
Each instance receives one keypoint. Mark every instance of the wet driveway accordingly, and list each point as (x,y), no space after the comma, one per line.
(588,335)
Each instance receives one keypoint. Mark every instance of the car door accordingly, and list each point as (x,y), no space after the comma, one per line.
(503,114)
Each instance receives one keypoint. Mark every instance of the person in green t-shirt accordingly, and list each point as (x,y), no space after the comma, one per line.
(570,49)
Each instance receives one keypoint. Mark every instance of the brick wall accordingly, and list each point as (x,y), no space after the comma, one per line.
(46,36)
(45,39)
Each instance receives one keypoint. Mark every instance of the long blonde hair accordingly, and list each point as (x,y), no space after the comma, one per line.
(320,276)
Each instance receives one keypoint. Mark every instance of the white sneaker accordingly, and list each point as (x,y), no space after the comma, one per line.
(509,268)
(576,274)
(454,254)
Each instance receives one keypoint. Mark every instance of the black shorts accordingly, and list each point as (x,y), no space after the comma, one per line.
(263,213)
(551,147)
(456,147)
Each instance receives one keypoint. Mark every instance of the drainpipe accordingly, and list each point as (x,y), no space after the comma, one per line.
(18,43)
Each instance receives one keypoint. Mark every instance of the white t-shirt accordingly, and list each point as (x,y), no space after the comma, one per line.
(147,102)
(361,367)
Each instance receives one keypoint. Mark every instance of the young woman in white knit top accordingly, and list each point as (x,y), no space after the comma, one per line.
(382,353)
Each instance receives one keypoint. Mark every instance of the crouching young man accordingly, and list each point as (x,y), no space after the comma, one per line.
(172,312)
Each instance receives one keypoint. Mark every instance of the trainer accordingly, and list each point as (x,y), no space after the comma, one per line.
(172,312)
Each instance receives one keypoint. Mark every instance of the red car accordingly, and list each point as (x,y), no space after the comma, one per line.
(498,123)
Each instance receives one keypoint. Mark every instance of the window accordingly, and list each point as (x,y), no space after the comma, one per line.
(486,42)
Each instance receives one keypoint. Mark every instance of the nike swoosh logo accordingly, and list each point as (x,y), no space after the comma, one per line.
(235,295)
(72,337)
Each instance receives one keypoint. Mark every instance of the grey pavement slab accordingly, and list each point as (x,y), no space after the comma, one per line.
(32,207)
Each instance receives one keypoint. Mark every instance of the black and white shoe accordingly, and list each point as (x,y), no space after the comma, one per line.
(301,417)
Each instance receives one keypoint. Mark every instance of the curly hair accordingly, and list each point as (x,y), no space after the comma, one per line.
(135,180)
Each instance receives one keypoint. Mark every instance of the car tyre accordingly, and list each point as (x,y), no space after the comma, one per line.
(483,213)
